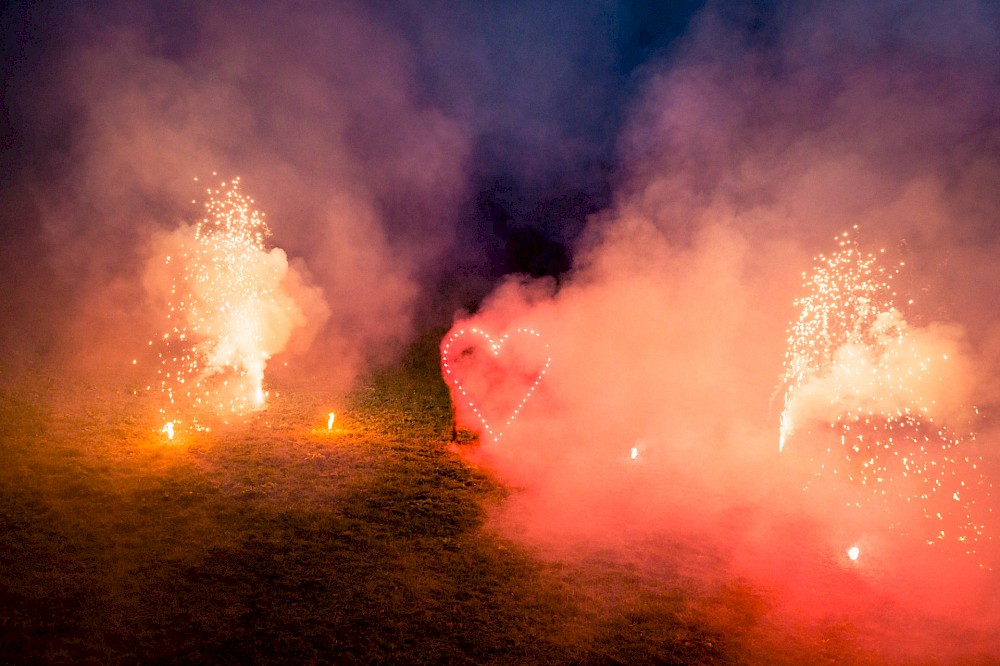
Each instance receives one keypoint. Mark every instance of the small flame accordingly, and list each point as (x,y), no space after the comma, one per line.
(853,552)
(329,422)
(635,452)
(785,431)
(169,429)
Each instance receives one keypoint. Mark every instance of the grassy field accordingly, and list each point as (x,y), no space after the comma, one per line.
(279,541)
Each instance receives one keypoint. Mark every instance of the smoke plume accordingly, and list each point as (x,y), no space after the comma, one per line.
(753,145)
(314,107)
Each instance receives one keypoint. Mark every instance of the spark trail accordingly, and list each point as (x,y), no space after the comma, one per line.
(228,312)
(862,394)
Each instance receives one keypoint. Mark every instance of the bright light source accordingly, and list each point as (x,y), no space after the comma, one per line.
(853,552)
(329,422)
(169,429)
(635,453)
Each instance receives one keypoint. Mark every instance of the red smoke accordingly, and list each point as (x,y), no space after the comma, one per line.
(669,334)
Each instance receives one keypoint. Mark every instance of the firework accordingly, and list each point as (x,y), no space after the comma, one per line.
(863,391)
(493,391)
(227,313)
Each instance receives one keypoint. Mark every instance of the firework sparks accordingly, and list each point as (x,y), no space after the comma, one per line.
(489,383)
(228,312)
(856,368)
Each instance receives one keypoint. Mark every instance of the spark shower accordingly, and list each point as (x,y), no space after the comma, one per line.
(229,312)
(865,392)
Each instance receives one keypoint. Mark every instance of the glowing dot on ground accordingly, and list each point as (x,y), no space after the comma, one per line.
(169,429)
(329,422)
(853,552)
(635,453)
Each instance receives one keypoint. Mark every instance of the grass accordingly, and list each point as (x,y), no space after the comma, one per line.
(277,541)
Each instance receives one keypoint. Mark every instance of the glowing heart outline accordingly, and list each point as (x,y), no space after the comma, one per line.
(495,348)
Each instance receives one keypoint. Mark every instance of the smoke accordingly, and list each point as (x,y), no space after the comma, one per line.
(231,304)
(902,370)
(753,144)
(117,112)
(381,139)
(472,364)
(649,350)
(372,134)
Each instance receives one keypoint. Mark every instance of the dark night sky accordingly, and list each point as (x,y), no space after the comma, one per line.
(532,97)
(541,92)
(410,154)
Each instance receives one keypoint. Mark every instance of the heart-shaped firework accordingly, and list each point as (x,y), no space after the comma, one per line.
(491,387)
